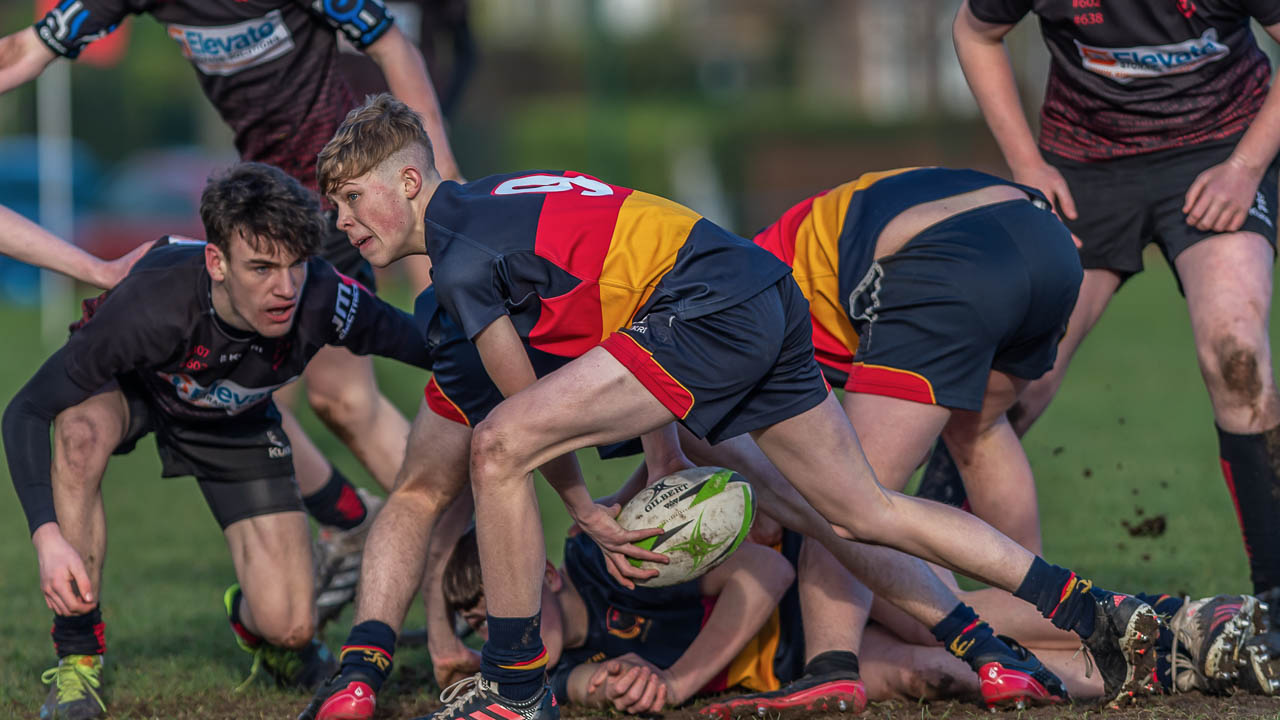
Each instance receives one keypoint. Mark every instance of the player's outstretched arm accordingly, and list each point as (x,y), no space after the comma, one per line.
(22,58)
(986,65)
(24,240)
(406,74)
(1220,197)
(343,312)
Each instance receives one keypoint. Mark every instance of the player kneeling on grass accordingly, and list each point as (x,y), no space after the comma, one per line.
(190,346)
(670,318)
(644,649)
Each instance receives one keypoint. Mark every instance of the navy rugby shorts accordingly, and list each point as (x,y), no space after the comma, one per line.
(988,289)
(743,368)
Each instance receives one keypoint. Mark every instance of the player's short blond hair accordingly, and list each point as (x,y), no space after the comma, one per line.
(371,133)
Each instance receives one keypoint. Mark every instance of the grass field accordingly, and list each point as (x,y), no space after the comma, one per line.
(1130,437)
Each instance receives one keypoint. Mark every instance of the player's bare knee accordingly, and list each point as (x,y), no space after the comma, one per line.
(291,628)
(295,635)
(492,457)
(80,442)
(343,410)
(1234,372)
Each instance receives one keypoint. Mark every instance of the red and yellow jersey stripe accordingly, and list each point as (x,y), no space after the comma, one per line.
(619,246)
(807,237)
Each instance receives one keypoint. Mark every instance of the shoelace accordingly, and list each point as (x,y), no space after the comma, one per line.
(279,662)
(254,671)
(1088,659)
(1175,657)
(74,682)
(457,694)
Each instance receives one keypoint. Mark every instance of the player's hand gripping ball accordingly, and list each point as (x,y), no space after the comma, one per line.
(705,513)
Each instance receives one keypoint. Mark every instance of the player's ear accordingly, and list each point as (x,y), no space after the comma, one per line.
(412,181)
(215,262)
(551,578)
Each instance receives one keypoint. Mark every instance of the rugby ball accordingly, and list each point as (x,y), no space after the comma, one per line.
(705,513)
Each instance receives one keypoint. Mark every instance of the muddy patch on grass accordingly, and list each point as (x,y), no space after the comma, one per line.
(1153,526)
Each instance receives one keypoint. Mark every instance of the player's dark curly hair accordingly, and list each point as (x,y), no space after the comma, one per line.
(462,584)
(261,203)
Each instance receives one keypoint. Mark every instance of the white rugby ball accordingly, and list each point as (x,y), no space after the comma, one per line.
(705,514)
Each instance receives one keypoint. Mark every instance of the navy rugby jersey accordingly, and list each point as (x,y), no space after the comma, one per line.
(268,66)
(572,259)
(658,624)
(1134,77)
(159,324)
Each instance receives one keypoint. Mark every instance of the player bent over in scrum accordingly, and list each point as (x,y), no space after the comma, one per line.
(670,318)
(190,346)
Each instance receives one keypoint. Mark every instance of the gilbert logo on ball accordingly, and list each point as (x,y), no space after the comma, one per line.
(705,513)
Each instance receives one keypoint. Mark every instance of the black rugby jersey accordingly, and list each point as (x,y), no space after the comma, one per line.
(658,624)
(268,66)
(159,324)
(1134,77)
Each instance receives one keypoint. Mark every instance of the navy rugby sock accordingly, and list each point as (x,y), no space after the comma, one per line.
(514,656)
(968,637)
(368,650)
(1060,596)
(1249,465)
(337,503)
(79,634)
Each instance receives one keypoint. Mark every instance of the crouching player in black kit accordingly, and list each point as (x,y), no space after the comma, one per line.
(190,346)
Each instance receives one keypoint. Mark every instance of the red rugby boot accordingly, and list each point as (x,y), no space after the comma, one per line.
(1018,681)
(345,696)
